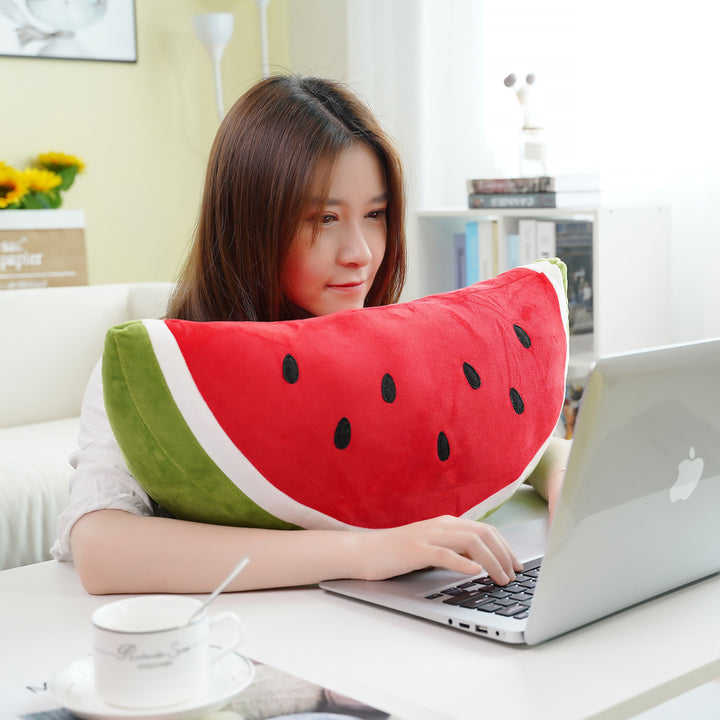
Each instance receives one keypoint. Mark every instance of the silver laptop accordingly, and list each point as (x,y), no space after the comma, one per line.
(638,514)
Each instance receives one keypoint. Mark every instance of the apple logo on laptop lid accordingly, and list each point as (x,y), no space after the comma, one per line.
(689,474)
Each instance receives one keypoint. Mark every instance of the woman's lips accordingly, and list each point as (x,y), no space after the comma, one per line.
(348,286)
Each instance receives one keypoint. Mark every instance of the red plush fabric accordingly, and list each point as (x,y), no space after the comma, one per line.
(388,415)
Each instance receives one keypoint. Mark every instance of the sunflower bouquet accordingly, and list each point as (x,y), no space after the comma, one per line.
(40,186)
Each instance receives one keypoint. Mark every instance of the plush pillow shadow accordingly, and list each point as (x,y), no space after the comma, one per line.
(365,418)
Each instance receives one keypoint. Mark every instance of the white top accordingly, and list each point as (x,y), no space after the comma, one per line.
(102,480)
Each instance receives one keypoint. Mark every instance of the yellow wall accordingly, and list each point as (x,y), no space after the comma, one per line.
(143,129)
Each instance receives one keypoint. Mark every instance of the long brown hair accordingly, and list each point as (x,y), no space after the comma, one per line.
(277,145)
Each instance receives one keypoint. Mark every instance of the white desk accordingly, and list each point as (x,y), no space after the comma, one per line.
(417,670)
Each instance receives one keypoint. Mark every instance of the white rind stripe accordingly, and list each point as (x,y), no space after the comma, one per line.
(553,273)
(216,443)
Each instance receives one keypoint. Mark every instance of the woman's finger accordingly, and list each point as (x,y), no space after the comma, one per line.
(489,551)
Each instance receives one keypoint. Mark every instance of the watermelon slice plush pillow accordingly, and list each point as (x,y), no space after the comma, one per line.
(365,418)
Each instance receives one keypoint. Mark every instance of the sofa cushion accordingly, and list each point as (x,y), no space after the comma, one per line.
(52,339)
(34,474)
(365,418)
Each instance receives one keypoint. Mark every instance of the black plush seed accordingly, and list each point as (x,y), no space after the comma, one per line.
(523,337)
(517,401)
(388,388)
(290,369)
(342,434)
(471,376)
(443,447)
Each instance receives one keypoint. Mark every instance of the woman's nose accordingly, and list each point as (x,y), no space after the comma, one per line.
(355,248)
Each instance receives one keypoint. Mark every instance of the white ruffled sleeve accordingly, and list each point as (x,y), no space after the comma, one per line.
(102,480)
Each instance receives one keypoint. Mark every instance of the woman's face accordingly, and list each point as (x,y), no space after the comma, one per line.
(336,269)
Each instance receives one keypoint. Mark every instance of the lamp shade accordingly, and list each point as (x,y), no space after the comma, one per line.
(214,29)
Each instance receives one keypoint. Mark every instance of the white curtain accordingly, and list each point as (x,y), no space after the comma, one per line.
(625,87)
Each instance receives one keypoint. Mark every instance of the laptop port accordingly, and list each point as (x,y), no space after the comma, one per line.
(464,625)
(480,629)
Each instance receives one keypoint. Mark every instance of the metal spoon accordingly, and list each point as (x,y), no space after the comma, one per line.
(235,572)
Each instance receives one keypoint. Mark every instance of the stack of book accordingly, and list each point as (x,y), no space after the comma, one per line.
(559,191)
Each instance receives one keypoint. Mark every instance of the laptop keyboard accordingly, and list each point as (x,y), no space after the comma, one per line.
(482,594)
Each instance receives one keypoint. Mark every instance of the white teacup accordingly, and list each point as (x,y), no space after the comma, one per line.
(146,654)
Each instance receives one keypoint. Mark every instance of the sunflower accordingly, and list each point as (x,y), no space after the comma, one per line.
(43,189)
(58,161)
(41,180)
(13,186)
(66,166)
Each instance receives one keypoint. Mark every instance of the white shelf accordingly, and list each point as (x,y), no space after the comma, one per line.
(631,269)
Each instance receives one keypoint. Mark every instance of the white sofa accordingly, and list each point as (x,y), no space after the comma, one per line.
(51,339)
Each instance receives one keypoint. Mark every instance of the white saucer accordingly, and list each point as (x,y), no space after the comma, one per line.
(74,689)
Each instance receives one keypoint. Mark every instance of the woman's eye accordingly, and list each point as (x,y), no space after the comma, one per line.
(326,219)
(377,214)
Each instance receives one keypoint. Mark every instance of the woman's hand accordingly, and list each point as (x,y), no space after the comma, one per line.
(457,544)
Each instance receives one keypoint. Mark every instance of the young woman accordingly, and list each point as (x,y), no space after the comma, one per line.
(302,215)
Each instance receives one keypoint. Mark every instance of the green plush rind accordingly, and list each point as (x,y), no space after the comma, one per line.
(149,420)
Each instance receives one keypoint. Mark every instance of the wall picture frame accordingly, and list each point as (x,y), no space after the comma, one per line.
(103,30)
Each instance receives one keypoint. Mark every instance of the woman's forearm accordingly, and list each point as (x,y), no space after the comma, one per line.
(118,552)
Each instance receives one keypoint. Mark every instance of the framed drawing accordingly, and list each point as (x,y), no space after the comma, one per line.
(69,29)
